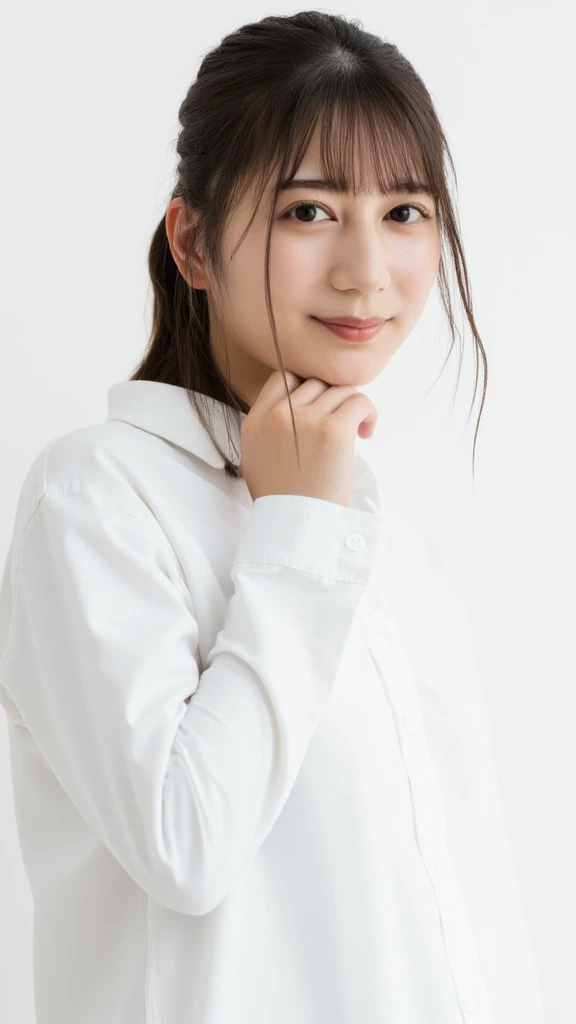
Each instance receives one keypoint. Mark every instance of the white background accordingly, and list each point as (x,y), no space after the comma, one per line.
(90,97)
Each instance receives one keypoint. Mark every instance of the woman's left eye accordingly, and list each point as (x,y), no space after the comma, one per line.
(315,206)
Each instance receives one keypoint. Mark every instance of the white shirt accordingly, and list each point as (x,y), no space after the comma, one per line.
(252,763)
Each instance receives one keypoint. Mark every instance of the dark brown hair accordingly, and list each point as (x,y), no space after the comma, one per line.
(253,108)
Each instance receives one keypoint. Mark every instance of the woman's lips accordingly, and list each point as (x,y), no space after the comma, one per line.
(353,333)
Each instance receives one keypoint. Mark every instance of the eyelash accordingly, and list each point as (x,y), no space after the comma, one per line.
(409,206)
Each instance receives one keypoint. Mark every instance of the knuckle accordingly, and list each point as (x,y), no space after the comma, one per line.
(280,415)
(327,429)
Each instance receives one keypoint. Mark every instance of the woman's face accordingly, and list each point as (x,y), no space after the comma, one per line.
(369,256)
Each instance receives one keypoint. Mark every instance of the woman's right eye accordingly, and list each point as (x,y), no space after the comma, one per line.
(301,206)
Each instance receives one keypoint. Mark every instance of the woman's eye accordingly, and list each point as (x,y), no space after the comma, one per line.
(404,207)
(418,209)
(303,206)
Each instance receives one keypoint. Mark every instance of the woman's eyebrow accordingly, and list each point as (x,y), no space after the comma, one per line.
(399,188)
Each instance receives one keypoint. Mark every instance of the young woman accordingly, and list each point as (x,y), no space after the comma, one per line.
(252,762)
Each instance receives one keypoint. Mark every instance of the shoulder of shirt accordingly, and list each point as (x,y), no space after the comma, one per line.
(91,461)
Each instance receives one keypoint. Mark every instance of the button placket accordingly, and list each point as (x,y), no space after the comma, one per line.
(379,616)
(9,706)
(410,725)
(389,655)
(440,864)
(472,1006)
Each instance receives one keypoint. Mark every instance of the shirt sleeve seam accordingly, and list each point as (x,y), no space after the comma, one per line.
(48,490)
(117,508)
(15,569)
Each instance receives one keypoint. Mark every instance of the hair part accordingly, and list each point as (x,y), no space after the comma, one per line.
(251,113)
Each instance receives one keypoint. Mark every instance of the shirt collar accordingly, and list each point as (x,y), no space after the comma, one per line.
(166,410)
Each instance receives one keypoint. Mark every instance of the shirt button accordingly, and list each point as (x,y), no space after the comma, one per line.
(471,1005)
(7,702)
(379,616)
(440,864)
(356,542)
(410,725)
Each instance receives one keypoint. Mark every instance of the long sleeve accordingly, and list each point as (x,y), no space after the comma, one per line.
(181,774)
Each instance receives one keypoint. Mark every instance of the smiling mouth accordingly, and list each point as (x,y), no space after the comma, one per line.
(353,334)
(361,325)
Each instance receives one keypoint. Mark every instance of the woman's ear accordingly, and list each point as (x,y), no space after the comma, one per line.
(180,223)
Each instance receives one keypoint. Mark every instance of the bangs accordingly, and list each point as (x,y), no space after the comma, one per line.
(367,143)
(366,148)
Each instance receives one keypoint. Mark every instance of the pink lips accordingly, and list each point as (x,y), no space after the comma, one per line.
(353,333)
(353,321)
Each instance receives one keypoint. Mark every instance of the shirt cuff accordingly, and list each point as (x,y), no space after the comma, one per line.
(313,535)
